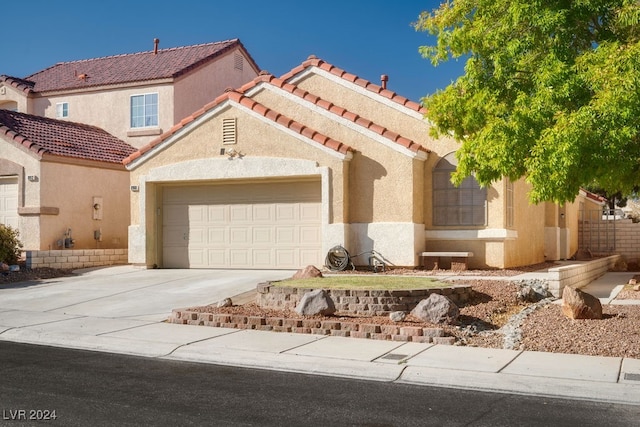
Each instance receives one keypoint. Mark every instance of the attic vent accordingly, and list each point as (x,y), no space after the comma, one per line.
(229,131)
(238,61)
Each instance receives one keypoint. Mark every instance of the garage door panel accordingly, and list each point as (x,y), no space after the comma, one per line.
(239,258)
(176,257)
(174,236)
(286,212)
(217,236)
(197,257)
(286,235)
(175,214)
(262,235)
(266,225)
(240,214)
(262,258)
(198,214)
(286,257)
(217,213)
(310,212)
(197,235)
(216,258)
(263,213)
(239,236)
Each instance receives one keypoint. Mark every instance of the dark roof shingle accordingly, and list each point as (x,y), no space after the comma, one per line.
(62,138)
(127,68)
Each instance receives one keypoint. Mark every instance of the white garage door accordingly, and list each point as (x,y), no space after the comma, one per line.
(9,201)
(261,226)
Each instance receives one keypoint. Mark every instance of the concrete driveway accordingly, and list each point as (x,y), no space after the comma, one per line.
(127,292)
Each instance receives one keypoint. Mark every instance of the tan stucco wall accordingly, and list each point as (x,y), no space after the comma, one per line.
(72,189)
(529,221)
(22,164)
(110,109)
(11,98)
(201,86)
(382,179)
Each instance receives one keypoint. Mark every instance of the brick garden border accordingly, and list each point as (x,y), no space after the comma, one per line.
(312,326)
(361,302)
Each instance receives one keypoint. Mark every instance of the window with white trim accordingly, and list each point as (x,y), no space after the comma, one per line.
(464,205)
(144,110)
(62,110)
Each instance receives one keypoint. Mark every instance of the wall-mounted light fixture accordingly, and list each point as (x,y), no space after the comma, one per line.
(233,153)
(135,188)
(32,178)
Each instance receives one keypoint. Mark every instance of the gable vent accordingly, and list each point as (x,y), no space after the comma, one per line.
(238,61)
(229,131)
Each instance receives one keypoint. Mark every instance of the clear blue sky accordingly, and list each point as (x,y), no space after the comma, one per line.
(364,37)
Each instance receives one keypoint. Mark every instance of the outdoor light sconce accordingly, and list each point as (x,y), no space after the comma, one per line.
(32,178)
(97,208)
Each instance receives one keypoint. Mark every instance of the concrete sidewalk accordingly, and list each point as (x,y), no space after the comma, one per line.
(122,309)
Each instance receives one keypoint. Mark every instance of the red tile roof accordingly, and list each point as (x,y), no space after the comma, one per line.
(361,121)
(44,136)
(249,103)
(127,68)
(20,84)
(312,61)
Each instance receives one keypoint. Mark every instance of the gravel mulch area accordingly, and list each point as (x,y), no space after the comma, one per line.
(494,304)
(546,329)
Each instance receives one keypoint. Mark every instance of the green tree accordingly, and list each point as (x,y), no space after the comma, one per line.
(550,92)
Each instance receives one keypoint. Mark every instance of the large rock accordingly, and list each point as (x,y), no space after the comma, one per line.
(577,304)
(397,316)
(532,290)
(436,309)
(308,272)
(316,302)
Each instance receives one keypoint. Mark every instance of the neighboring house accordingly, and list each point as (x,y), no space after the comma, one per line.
(134,97)
(62,184)
(276,173)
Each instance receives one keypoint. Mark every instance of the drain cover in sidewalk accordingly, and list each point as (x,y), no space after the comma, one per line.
(394,356)
(632,377)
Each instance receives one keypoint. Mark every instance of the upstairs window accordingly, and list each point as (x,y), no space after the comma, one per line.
(464,205)
(62,110)
(144,110)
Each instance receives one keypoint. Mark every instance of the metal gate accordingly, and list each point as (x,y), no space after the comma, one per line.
(597,230)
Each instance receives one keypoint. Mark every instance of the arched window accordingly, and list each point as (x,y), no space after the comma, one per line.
(464,205)
(9,105)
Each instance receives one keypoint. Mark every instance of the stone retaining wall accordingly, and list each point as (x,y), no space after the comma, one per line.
(578,275)
(76,258)
(313,326)
(362,302)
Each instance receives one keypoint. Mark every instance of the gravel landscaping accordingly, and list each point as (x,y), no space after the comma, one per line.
(496,319)
(485,320)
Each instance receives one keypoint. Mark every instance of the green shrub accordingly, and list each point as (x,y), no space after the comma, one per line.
(10,245)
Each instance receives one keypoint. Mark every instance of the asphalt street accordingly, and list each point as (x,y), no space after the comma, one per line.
(82,388)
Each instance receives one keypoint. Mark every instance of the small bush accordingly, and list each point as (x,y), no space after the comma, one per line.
(10,245)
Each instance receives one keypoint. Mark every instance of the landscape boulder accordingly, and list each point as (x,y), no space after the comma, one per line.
(225,303)
(532,290)
(397,316)
(316,302)
(436,309)
(308,272)
(577,304)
